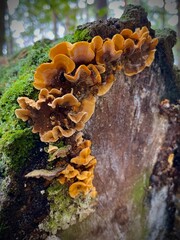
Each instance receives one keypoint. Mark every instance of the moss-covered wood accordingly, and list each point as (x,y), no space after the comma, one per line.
(127,145)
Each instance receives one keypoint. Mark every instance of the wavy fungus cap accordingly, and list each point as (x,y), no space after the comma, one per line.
(108,52)
(77,188)
(139,51)
(106,86)
(48,75)
(50,115)
(84,157)
(70,172)
(79,52)
(96,43)
(90,74)
(61,48)
(139,33)
(84,175)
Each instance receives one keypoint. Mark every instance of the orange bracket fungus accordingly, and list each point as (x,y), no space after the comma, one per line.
(68,89)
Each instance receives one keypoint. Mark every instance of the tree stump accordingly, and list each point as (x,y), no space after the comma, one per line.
(135,140)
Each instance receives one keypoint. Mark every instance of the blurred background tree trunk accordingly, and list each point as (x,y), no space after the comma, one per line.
(55,22)
(3,9)
(101,9)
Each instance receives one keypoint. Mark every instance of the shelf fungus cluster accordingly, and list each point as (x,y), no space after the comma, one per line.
(68,88)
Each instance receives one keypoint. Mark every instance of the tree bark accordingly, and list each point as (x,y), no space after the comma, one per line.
(178,34)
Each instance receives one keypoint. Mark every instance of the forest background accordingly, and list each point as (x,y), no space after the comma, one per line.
(24,22)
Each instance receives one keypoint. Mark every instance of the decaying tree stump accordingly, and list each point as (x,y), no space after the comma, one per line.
(135,139)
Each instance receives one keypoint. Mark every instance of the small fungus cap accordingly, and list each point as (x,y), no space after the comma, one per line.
(61,48)
(84,157)
(108,53)
(77,188)
(84,175)
(46,75)
(81,52)
(106,86)
(70,172)
(96,43)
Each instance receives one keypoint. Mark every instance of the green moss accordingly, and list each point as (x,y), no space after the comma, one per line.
(138,195)
(82,35)
(125,18)
(16,139)
(15,147)
(16,81)
(65,211)
(139,189)
(79,35)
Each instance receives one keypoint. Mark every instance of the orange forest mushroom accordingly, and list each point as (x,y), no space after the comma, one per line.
(50,115)
(68,87)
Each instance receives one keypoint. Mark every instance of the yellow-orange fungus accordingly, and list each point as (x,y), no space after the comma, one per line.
(81,52)
(105,87)
(84,157)
(70,172)
(84,175)
(88,106)
(48,75)
(69,86)
(77,188)
(61,48)
(96,43)
(118,42)
(108,53)
(81,70)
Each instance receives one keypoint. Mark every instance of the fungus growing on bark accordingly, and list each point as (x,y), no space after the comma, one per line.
(139,50)
(105,87)
(61,48)
(84,157)
(108,53)
(77,188)
(70,172)
(55,152)
(69,87)
(50,115)
(47,174)
(48,75)
(89,74)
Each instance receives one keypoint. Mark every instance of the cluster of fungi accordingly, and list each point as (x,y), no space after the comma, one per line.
(69,86)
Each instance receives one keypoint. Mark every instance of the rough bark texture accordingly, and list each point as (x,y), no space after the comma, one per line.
(128,132)
(131,140)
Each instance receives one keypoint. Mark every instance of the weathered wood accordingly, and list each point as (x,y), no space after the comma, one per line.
(128,132)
